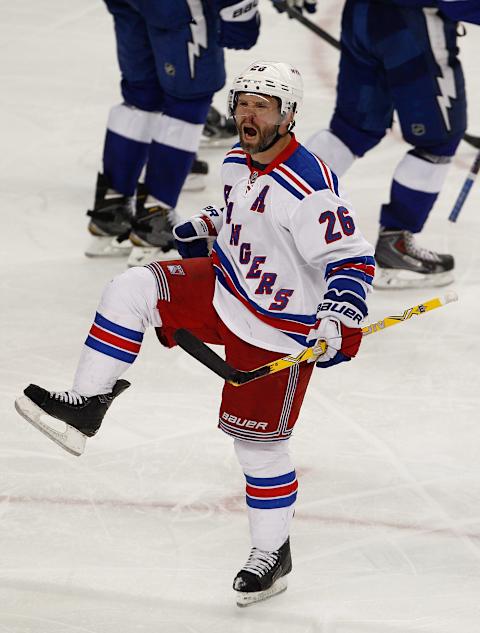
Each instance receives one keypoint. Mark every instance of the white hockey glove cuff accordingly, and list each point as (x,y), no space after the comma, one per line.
(206,224)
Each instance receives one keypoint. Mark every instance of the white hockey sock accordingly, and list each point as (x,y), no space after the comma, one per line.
(421,175)
(331,150)
(126,309)
(271,486)
(132,123)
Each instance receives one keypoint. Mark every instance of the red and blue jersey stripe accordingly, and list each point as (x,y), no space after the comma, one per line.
(266,493)
(236,155)
(362,268)
(114,340)
(295,325)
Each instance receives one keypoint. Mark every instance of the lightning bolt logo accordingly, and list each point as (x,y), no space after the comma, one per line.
(446,79)
(198,28)
(447,89)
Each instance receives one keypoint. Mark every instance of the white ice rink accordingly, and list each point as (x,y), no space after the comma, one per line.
(146,530)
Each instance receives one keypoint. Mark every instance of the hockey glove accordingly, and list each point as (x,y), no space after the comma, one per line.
(342,342)
(239,23)
(191,237)
(310,6)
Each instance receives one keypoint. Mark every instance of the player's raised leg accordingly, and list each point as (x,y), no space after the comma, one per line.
(126,309)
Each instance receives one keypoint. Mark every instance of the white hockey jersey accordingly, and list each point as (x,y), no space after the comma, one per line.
(289,246)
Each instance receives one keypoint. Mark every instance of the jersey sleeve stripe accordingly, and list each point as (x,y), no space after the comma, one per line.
(363,266)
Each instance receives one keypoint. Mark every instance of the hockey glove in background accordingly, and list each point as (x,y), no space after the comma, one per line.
(342,342)
(191,237)
(310,6)
(239,23)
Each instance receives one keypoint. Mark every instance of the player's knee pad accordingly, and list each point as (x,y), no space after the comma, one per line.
(331,150)
(132,295)
(422,170)
(263,459)
(144,95)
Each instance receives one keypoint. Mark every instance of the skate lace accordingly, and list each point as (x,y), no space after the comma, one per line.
(69,397)
(419,252)
(260,562)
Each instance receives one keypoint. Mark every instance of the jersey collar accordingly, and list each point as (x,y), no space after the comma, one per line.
(281,158)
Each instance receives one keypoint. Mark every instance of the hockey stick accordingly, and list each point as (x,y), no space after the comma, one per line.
(474,141)
(236,377)
(465,190)
(297,15)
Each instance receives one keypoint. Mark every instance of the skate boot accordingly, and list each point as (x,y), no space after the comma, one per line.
(66,417)
(218,131)
(197,178)
(151,233)
(401,263)
(110,221)
(263,575)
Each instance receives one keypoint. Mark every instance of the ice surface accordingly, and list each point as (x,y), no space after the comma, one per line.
(146,530)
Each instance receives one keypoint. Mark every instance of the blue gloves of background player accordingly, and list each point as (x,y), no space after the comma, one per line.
(310,6)
(239,23)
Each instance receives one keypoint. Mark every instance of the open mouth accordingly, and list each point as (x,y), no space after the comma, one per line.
(249,132)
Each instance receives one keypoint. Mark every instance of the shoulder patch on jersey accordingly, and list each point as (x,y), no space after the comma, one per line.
(236,155)
(309,170)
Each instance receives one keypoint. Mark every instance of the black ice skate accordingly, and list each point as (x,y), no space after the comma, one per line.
(263,575)
(401,263)
(218,131)
(110,221)
(151,233)
(64,416)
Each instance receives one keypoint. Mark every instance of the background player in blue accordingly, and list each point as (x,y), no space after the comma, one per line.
(171,61)
(401,55)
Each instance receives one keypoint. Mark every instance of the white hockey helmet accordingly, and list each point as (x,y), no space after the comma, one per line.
(274,79)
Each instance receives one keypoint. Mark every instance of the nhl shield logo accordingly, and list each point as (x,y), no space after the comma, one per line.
(251,181)
(175,269)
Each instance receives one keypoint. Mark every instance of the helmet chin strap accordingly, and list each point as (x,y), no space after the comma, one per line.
(276,138)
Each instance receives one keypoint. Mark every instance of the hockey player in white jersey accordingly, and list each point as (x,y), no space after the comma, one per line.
(289,266)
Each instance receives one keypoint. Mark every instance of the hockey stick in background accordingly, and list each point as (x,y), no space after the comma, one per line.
(465,190)
(236,377)
(297,15)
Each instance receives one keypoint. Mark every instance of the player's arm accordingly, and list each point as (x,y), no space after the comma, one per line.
(192,235)
(326,232)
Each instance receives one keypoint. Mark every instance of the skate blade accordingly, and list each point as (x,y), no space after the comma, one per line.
(245,599)
(66,436)
(386,278)
(195,182)
(107,246)
(143,255)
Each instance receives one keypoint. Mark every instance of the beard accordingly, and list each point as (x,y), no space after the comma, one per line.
(253,140)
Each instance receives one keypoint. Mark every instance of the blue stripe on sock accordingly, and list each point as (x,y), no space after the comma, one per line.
(110,351)
(133,335)
(271,481)
(268,504)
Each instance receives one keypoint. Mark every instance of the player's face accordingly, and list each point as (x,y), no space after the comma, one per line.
(257,118)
